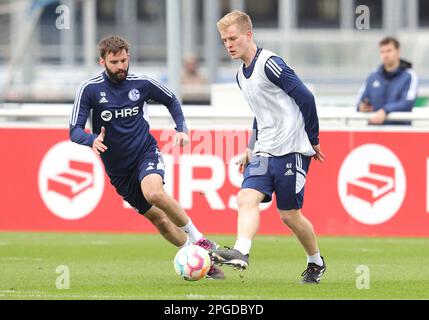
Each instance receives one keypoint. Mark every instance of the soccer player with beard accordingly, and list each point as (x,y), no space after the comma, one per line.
(129,152)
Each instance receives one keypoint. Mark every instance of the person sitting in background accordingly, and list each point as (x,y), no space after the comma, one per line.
(190,73)
(391,88)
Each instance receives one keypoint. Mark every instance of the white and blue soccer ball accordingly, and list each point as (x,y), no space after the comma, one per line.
(192,262)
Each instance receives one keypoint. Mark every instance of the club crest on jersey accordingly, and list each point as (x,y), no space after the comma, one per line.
(134,94)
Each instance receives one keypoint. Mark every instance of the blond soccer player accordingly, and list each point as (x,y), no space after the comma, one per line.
(285,139)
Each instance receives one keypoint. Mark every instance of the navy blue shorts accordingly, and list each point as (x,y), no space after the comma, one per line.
(129,186)
(285,175)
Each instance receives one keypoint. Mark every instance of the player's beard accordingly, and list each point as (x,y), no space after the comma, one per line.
(117,76)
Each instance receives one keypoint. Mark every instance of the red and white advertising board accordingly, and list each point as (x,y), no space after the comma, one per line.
(372,184)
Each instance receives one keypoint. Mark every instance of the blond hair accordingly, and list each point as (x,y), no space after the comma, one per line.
(239,18)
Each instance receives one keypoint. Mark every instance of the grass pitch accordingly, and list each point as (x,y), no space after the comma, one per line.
(137,266)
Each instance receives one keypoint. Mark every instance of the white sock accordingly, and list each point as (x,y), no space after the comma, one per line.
(243,245)
(187,243)
(315,259)
(192,232)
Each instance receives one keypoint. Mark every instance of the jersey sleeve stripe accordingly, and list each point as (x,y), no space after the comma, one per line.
(77,103)
(274,64)
(75,112)
(276,73)
(160,86)
(154,82)
(76,107)
(96,78)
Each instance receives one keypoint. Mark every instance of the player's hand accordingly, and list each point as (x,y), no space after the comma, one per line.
(319,156)
(180,139)
(98,145)
(379,117)
(244,160)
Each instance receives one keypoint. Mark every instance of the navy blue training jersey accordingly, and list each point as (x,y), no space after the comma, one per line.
(119,108)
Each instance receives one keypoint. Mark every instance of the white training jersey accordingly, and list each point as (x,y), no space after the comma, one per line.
(281,127)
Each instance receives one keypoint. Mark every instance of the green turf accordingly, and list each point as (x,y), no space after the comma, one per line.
(135,266)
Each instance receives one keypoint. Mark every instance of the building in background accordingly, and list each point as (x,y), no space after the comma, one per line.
(39,61)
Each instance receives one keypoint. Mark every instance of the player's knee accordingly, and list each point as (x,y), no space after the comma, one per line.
(286,219)
(290,217)
(162,223)
(246,199)
(156,198)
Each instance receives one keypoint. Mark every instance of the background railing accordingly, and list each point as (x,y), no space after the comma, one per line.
(206,117)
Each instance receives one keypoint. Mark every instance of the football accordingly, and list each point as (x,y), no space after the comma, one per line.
(192,262)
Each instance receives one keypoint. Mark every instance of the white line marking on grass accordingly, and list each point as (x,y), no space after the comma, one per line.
(370,250)
(41,294)
(19,259)
(363,250)
(100,243)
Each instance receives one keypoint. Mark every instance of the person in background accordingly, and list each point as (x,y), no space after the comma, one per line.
(190,73)
(391,88)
